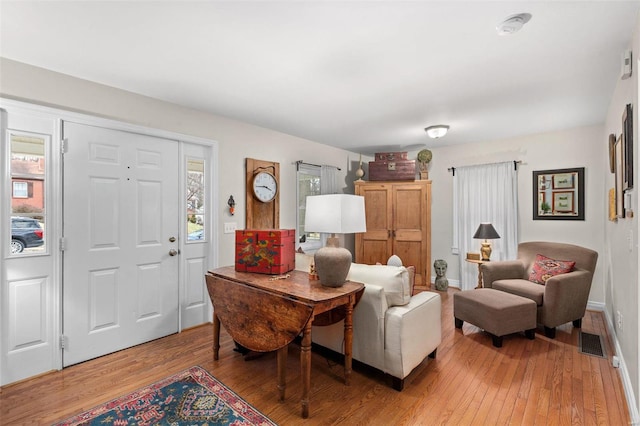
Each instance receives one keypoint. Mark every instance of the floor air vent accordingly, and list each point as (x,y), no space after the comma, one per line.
(591,344)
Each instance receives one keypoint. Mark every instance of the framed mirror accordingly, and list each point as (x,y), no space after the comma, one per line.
(558,194)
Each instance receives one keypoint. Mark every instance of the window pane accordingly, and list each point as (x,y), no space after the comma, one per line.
(195,200)
(20,190)
(28,215)
(308,184)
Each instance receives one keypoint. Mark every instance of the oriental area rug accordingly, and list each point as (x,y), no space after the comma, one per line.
(192,397)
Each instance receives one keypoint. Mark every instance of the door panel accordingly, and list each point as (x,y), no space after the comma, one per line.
(27,302)
(103,301)
(375,244)
(103,212)
(196,255)
(121,197)
(410,221)
(28,273)
(409,202)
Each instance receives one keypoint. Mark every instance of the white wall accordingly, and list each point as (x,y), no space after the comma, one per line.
(582,147)
(237,140)
(621,277)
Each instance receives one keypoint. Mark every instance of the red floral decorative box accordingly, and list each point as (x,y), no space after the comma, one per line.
(265,251)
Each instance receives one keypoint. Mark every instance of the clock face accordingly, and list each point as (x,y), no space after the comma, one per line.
(265,187)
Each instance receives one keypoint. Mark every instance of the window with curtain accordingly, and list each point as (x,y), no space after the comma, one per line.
(484,193)
(308,177)
(312,180)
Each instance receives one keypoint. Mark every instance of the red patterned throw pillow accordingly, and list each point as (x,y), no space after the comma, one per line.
(545,268)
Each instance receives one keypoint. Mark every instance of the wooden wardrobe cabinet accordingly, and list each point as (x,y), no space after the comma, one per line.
(398,222)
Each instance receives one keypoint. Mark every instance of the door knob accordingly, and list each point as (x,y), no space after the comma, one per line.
(173,252)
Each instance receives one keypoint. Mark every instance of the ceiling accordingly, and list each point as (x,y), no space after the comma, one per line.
(363,76)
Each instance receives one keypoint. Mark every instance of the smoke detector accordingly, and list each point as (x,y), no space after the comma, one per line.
(513,23)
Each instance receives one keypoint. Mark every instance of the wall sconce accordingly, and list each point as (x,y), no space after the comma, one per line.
(232,205)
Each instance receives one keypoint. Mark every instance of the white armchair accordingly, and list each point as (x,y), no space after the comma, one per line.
(392,330)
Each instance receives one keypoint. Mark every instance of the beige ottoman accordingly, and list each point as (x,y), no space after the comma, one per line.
(497,312)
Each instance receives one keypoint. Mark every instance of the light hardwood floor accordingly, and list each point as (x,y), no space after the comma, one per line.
(527,382)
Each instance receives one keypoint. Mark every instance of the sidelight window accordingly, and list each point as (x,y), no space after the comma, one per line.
(196,212)
(28,202)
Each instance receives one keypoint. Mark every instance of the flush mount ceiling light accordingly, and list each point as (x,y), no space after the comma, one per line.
(513,23)
(437,131)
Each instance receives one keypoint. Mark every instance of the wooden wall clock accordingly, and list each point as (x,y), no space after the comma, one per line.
(262,194)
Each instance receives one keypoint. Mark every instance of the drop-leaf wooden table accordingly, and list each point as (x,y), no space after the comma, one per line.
(265,314)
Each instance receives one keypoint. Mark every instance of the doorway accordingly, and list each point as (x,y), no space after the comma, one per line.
(72,293)
(121,228)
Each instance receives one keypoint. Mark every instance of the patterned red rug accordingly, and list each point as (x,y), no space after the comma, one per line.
(192,397)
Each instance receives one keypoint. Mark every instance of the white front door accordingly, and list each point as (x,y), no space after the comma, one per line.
(121,248)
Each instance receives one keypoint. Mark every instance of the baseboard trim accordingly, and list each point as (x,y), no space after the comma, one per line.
(595,306)
(634,416)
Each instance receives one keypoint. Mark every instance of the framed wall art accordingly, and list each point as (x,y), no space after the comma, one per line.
(612,205)
(619,178)
(612,153)
(558,194)
(627,140)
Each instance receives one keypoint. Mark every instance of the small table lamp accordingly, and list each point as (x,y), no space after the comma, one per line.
(335,214)
(486,231)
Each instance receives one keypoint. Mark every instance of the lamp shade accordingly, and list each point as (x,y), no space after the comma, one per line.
(335,213)
(486,231)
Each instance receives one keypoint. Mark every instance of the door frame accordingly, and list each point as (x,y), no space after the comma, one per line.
(56,117)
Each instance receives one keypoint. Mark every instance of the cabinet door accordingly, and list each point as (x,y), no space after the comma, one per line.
(375,245)
(409,227)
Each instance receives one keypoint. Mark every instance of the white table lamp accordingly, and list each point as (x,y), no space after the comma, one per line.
(335,214)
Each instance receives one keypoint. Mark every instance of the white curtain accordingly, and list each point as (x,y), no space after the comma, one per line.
(328,180)
(328,185)
(484,193)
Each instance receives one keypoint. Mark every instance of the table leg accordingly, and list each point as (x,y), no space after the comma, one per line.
(479,275)
(348,340)
(305,366)
(282,370)
(216,336)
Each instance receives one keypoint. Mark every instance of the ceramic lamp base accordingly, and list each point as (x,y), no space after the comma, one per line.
(332,265)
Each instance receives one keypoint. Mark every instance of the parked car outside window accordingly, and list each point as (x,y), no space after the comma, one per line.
(26,232)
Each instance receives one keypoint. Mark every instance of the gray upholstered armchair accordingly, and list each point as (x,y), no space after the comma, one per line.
(563,297)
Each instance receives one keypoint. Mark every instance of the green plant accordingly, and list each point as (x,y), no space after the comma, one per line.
(545,207)
(29,210)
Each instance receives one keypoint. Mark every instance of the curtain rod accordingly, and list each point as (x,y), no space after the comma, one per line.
(515,166)
(309,164)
